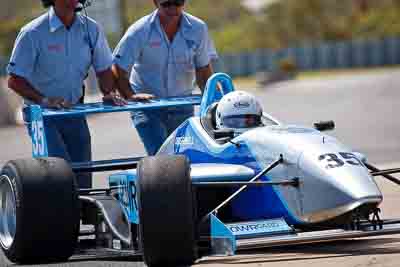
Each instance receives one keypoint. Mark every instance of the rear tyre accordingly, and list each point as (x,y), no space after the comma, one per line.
(39,210)
(166,211)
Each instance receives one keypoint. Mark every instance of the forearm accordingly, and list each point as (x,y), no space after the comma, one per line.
(202,76)
(122,81)
(106,81)
(23,88)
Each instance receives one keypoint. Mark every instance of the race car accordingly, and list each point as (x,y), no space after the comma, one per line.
(206,192)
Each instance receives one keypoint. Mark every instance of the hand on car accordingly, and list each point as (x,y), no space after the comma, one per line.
(114,99)
(141,97)
(55,102)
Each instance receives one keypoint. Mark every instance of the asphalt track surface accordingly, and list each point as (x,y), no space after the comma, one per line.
(364,108)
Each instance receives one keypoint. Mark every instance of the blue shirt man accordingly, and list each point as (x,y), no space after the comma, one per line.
(50,60)
(165,53)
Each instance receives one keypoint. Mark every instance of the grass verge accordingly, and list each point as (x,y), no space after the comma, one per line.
(250,82)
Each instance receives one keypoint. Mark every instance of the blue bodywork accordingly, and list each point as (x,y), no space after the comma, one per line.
(261,203)
(265,202)
(194,142)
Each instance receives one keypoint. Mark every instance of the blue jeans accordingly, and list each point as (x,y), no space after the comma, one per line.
(155,126)
(69,139)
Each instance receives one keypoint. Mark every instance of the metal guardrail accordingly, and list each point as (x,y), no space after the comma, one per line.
(315,56)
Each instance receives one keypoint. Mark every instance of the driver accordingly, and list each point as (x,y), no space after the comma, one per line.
(238,110)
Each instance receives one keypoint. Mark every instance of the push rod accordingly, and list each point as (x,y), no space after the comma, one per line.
(384,173)
(292,182)
(255,178)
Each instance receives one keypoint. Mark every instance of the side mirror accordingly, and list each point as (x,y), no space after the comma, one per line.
(324,125)
(224,133)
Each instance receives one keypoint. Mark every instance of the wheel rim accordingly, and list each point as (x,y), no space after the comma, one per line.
(8,215)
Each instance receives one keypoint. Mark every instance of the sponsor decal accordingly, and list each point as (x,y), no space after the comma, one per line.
(124,193)
(184,140)
(241,104)
(260,227)
(292,130)
(253,227)
(38,140)
(127,193)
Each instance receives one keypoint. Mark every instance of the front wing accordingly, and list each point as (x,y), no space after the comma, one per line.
(228,239)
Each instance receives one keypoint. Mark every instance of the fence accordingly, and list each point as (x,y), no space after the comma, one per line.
(3,64)
(315,56)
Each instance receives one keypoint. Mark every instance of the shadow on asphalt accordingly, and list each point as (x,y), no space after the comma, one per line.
(79,259)
(334,249)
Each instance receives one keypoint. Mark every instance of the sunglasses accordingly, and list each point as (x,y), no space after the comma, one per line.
(173,3)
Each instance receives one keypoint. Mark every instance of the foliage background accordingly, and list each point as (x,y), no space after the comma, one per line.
(234,28)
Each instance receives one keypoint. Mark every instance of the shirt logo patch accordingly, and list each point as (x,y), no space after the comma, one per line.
(155,44)
(55,47)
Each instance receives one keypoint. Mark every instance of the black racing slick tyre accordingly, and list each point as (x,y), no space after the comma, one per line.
(39,210)
(166,211)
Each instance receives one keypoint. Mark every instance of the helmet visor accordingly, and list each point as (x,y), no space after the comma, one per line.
(242,121)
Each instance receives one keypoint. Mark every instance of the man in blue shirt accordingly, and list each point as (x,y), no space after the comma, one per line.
(165,52)
(50,60)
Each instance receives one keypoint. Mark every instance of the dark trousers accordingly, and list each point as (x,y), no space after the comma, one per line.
(155,126)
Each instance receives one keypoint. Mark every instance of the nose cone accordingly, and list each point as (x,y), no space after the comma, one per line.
(334,183)
(333,180)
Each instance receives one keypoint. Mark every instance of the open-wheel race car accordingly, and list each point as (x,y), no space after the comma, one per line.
(206,192)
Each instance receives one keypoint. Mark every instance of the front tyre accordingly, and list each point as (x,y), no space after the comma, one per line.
(39,210)
(166,211)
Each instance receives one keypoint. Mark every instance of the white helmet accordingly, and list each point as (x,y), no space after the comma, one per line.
(238,110)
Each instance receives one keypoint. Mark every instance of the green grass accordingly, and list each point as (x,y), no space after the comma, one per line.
(250,82)
(335,72)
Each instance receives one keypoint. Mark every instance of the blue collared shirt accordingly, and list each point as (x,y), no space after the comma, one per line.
(55,60)
(158,66)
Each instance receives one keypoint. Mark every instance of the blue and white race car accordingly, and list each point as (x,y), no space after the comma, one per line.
(206,192)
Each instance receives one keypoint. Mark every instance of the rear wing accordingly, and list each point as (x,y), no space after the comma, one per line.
(217,85)
(34,115)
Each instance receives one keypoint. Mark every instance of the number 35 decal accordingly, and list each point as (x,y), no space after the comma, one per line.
(338,160)
(38,141)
